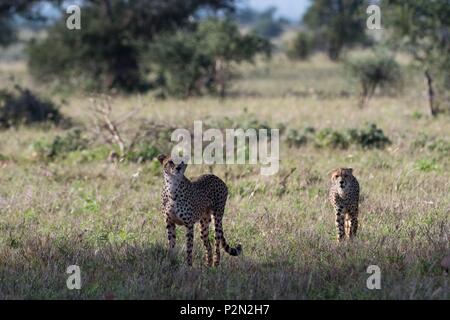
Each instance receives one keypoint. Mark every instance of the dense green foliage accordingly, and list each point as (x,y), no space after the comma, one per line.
(24,107)
(61,145)
(369,137)
(107,50)
(377,70)
(193,62)
(300,48)
(422,28)
(337,24)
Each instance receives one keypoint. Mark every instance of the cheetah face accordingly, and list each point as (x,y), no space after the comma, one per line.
(341,178)
(170,168)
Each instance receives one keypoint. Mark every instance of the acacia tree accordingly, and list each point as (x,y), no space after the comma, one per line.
(338,23)
(114,33)
(193,61)
(222,41)
(422,27)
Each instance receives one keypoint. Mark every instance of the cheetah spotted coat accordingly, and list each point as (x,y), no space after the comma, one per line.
(344,197)
(185,202)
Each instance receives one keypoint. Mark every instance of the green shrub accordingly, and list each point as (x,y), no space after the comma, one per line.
(23,107)
(150,138)
(300,47)
(376,70)
(88,155)
(296,139)
(331,138)
(61,145)
(426,165)
(369,137)
(143,152)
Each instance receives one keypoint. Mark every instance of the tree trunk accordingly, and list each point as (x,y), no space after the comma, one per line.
(430,92)
(362,102)
(365,95)
(220,76)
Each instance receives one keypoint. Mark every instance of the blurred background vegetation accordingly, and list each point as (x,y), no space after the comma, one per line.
(185,48)
(181,49)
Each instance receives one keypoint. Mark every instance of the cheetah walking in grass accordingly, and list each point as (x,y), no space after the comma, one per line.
(344,196)
(185,202)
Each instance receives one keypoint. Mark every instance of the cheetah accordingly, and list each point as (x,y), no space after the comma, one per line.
(344,196)
(185,202)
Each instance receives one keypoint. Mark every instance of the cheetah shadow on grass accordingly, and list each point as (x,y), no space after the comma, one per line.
(35,268)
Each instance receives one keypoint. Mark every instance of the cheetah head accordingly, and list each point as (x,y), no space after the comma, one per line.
(171,168)
(341,177)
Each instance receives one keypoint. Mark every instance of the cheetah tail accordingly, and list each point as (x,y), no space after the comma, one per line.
(231,251)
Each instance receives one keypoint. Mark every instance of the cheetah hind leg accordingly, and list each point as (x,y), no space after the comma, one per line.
(204,223)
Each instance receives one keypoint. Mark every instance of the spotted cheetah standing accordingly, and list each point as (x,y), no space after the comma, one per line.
(185,202)
(344,196)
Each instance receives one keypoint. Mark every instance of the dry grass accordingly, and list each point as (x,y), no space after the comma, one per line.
(99,216)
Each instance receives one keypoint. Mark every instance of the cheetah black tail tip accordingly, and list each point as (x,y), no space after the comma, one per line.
(234,251)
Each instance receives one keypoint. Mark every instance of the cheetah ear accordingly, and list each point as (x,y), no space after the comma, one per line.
(161,158)
(332,172)
(350,170)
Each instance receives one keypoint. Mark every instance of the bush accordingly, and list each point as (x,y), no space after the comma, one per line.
(377,70)
(331,138)
(297,139)
(23,107)
(60,146)
(301,46)
(370,137)
(143,152)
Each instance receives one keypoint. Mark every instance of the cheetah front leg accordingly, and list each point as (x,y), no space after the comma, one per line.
(340,223)
(353,223)
(171,235)
(204,223)
(189,243)
(347,225)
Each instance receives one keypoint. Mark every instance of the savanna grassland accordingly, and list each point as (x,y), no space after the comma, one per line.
(79,209)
